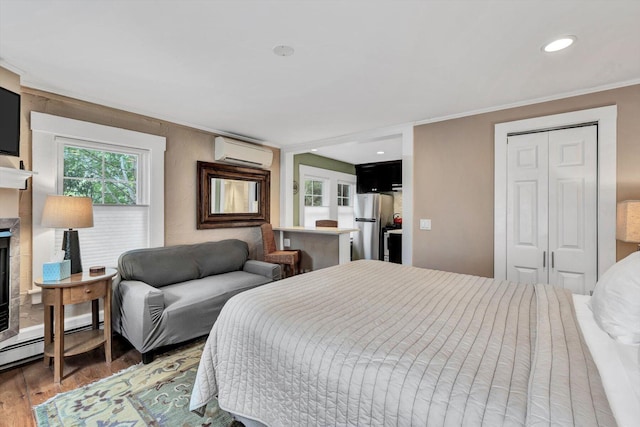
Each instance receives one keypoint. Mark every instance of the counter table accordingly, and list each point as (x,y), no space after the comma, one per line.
(321,246)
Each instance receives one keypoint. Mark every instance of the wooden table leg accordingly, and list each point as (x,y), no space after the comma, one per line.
(48,330)
(107,323)
(95,314)
(58,362)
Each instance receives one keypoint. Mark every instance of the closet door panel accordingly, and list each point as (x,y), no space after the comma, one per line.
(572,208)
(527,194)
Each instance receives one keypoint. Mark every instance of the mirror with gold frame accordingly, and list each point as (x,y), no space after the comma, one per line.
(232,196)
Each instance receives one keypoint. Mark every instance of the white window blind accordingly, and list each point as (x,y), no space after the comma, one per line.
(116,229)
(311,214)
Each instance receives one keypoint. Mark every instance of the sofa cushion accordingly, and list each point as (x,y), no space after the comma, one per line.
(174,264)
(192,293)
(219,257)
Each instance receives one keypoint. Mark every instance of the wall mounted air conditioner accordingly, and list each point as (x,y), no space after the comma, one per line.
(242,153)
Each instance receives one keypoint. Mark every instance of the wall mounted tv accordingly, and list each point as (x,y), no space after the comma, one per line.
(9,123)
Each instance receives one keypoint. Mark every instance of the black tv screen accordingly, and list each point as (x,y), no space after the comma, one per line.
(9,123)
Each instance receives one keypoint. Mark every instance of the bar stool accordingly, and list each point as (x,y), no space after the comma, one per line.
(326,223)
(289,258)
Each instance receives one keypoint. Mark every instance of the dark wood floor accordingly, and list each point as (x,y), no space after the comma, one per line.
(31,384)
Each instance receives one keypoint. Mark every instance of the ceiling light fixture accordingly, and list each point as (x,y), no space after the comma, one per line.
(380,152)
(283,50)
(314,150)
(559,44)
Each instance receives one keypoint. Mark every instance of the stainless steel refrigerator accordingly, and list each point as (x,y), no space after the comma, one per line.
(373,212)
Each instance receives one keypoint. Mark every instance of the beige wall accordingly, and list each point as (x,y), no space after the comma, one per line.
(185,146)
(453,180)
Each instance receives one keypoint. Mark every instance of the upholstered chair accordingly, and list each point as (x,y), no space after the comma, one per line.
(289,259)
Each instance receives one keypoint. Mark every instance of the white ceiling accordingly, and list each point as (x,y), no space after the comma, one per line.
(363,151)
(358,65)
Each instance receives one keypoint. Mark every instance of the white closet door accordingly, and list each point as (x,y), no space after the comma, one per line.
(527,198)
(552,208)
(572,208)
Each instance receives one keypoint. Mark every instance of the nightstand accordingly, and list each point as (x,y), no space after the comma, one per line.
(78,288)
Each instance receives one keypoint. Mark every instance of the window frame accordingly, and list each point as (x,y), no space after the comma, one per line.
(142,186)
(339,196)
(331,178)
(323,195)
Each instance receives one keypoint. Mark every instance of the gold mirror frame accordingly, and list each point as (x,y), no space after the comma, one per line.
(208,171)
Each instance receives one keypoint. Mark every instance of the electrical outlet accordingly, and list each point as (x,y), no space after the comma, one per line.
(425,224)
(287,243)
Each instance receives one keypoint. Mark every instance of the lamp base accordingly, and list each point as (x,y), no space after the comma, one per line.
(71,248)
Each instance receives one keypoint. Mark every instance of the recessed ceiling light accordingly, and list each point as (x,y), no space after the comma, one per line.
(559,44)
(380,152)
(283,50)
(314,149)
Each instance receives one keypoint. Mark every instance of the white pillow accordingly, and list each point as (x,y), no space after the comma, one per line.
(616,300)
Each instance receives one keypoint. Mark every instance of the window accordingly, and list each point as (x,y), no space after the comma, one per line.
(108,177)
(121,170)
(327,195)
(313,192)
(344,194)
(111,176)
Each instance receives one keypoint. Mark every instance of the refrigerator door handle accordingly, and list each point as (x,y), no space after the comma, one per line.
(365,220)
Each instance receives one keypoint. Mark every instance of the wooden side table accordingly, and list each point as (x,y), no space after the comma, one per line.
(79,287)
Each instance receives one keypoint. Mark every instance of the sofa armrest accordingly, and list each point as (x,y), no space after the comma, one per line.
(140,307)
(272,271)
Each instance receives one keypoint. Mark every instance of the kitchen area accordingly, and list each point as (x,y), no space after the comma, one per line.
(357,184)
(378,212)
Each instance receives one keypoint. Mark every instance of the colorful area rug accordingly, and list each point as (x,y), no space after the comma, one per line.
(156,394)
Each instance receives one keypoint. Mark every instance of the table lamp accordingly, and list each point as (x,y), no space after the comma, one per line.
(628,222)
(69,212)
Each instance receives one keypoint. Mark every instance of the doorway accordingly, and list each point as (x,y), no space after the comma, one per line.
(605,118)
(552,208)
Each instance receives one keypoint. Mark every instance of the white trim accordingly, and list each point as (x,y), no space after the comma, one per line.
(606,117)
(47,131)
(407,195)
(286,188)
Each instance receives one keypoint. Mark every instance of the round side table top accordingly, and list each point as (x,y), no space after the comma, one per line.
(82,278)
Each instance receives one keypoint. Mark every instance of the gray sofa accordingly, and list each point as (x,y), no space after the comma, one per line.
(173,294)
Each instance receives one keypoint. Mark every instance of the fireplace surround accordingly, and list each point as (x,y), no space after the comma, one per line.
(10,264)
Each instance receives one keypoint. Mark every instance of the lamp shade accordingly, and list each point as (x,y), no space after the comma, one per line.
(628,222)
(67,212)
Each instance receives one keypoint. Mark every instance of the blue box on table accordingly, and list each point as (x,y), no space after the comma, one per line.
(56,270)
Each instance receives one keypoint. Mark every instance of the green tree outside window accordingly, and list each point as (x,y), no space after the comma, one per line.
(109,178)
(312,192)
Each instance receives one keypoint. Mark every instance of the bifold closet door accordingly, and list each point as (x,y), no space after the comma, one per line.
(527,208)
(552,208)
(573,201)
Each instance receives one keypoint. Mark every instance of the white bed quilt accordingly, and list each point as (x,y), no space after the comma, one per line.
(380,344)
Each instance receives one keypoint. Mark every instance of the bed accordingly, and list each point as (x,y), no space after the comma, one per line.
(373,343)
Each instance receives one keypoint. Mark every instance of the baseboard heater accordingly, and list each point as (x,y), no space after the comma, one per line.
(29,350)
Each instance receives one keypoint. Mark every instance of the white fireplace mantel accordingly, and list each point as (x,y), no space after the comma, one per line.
(14,178)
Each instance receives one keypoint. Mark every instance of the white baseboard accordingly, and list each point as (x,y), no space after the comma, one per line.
(30,341)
